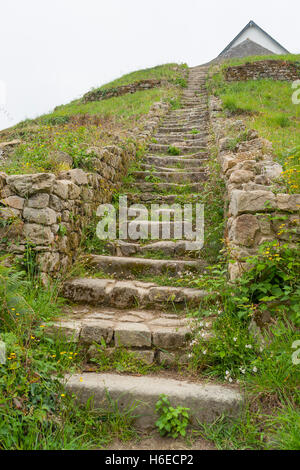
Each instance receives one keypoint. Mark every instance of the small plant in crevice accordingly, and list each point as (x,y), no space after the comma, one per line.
(172,421)
(172,150)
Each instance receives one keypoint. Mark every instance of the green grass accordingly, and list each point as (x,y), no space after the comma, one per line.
(122,107)
(267,106)
(255,430)
(36,413)
(244,60)
(161,72)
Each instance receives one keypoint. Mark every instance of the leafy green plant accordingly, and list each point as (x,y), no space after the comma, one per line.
(172,421)
(181,82)
(172,150)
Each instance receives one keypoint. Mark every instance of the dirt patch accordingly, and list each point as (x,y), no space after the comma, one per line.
(155,442)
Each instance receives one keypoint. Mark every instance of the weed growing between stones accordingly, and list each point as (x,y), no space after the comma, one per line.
(172,421)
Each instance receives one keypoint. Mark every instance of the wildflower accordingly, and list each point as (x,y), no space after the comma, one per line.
(62,395)
(254,369)
(248,346)
(205,351)
(235,340)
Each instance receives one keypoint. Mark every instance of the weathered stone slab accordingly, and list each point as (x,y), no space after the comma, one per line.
(251,201)
(95,330)
(206,401)
(27,185)
(132,335)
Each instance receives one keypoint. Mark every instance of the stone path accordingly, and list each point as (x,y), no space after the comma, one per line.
(150,319)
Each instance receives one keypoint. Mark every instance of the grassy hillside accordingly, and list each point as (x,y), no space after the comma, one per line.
(268,107)
(255,58)
(74,127)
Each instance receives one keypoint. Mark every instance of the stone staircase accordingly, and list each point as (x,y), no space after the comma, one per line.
(150,319)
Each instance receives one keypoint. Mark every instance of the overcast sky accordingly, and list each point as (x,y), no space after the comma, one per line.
(52,51)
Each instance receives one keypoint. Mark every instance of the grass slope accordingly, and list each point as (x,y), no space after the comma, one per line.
(267,107)
(74,127)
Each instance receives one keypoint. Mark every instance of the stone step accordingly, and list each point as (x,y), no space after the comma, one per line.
(206,401)
(184,148)
(168,161)
(175,177)
(167,247)
(151,198)
(193,121)
(150,330)
(181,129)
(145,166)
(199,99)
(193,102)
(183,115)
(187,113)
(177,136)
(192,105)
(121,266)
(190,94)
(177,141)
(128,294)
(167,187)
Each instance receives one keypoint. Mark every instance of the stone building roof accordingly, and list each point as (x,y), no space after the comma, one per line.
(251,24)
(245,49)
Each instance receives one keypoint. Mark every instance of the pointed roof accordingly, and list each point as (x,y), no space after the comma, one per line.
(252,24)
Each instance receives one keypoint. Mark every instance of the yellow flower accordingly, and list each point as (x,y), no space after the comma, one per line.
(63,395)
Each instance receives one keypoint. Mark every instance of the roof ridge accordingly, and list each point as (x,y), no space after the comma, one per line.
(248,25)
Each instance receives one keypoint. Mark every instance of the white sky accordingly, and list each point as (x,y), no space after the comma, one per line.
(52,51)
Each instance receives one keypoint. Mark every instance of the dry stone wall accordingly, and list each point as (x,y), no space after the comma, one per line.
(98,95)
(50,211)
(257,208)
(274,69)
